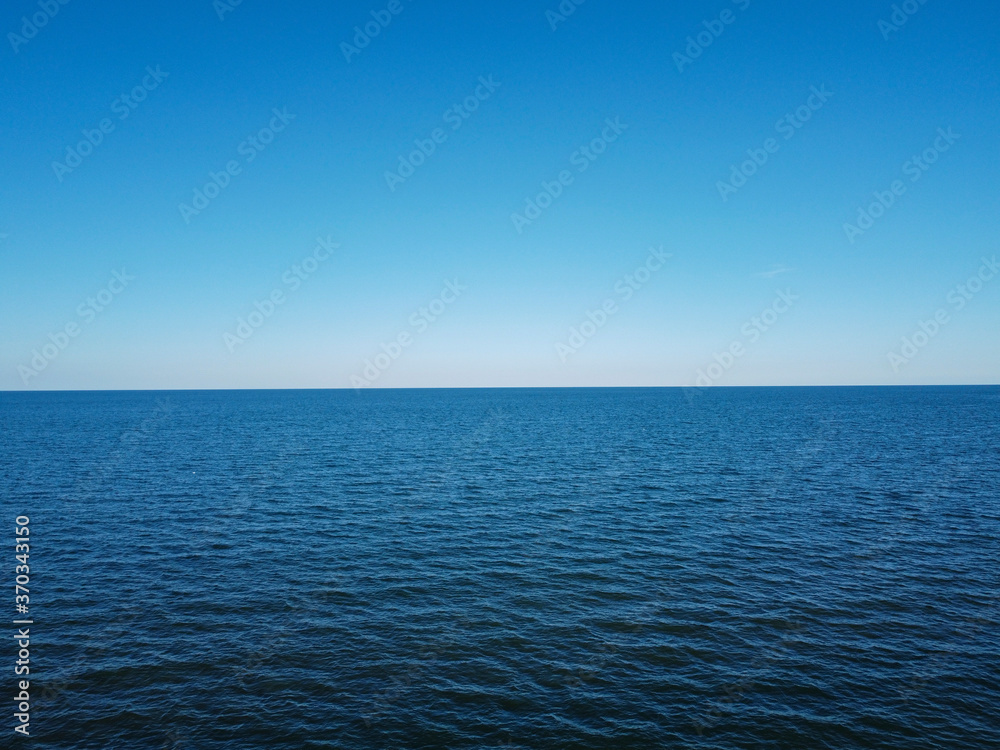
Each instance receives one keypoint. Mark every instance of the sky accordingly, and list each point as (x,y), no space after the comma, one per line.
(522,193)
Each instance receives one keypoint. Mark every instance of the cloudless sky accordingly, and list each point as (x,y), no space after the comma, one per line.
(63,234)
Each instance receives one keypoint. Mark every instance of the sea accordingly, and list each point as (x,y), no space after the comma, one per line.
(553,568)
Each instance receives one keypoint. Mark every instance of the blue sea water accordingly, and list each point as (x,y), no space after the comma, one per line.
(637,568)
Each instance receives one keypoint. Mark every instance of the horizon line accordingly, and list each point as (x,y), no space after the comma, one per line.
(502,388)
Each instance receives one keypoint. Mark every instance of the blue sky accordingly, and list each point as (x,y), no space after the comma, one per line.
(308,189)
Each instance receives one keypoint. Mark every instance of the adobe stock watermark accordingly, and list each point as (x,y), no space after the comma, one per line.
(625,288)
(775,270)
(363,36)
(292,279)
(589,671)
(697,44)
(384,701)
(102,476)
(122,106)
(752,331)
(957,298)
(96,650)
(787,127)
(272,648)
(47,10)
(582,158)
(936,665)
(87,312)
(419,321)
(224,7)
(914,168)
(738,691)
(250,148)
(562,13)
(455,116)
(901,15)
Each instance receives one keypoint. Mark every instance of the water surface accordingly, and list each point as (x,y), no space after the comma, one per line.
(732,568)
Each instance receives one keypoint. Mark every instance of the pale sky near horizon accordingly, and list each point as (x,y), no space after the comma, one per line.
(203,195)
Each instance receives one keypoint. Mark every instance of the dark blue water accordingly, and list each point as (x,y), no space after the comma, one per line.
(739,568)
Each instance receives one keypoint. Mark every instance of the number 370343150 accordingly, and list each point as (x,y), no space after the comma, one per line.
(21,550)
